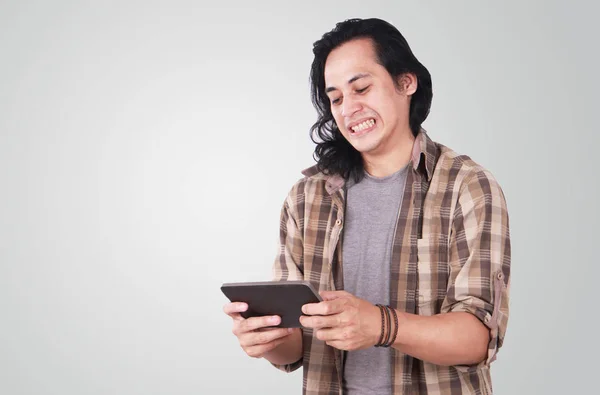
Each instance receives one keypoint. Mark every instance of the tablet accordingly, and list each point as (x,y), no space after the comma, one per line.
(282,298)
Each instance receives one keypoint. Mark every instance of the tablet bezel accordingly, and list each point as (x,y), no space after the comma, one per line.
(282,298)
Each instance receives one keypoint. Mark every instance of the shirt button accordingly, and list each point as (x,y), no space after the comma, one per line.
(338,222)
(500,276)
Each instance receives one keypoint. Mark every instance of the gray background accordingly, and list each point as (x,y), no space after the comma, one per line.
(146,148)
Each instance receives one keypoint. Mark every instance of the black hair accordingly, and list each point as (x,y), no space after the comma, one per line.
(333,153)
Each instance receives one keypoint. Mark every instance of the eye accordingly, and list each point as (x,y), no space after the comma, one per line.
(363,90)
(336,101)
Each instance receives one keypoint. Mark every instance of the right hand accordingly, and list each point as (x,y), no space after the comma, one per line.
(256,334)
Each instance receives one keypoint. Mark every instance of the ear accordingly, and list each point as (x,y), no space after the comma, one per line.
(407,83)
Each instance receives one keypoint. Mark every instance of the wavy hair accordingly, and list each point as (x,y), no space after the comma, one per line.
(333,153)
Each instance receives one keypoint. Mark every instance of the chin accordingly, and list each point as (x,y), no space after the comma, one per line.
(365,148)
(366,145)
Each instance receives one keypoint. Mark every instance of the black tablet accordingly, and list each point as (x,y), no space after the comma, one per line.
(282,298)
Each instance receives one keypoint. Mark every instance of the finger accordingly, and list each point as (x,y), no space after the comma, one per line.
(319,321)
(251,339)
(331,295)
(254,323)
(330,334)
(234,309)
(259,350)
(237,317)
(339,344)
(325,308)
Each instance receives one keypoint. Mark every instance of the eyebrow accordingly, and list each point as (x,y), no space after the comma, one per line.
(351,80)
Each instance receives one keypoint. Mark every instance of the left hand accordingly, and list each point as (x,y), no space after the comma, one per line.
(343,321)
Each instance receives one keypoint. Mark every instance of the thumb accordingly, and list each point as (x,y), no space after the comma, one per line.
(332,295)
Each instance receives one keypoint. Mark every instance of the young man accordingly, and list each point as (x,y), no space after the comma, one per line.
(407,241)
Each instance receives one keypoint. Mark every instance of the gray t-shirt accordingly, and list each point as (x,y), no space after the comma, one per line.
(371,215)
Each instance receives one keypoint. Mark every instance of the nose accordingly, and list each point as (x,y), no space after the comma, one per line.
(350,106)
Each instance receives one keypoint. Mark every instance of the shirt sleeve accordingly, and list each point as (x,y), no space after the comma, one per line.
(479,259)
(289,261)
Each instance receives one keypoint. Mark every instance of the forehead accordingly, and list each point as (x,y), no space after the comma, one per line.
(349,59)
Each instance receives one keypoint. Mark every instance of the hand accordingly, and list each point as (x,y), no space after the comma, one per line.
(256,334)
(343,321)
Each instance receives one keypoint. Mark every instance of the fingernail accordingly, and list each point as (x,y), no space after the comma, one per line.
(274,319)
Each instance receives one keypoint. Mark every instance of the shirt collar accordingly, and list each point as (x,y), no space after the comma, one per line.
(423,147)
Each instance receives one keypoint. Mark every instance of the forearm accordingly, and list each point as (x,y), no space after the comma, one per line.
(287,352)
(444,339)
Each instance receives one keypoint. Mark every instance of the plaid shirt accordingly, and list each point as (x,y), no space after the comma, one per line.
(451,252)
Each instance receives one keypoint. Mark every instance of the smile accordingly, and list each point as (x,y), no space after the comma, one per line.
(363,127)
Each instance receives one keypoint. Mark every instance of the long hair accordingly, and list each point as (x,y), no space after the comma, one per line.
(333,153)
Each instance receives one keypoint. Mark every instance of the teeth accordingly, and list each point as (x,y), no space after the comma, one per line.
(364,125)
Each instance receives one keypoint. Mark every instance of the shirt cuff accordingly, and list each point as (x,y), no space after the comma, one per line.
(492,321)
(290,367)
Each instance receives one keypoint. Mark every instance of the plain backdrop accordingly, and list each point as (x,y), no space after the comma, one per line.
(146,148)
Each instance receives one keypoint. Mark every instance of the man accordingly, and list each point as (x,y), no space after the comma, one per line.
(407,241)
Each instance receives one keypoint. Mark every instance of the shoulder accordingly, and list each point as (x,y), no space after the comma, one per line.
(310,187)
(464,176)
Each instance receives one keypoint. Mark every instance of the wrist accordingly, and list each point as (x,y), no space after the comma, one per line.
(388,326)
(375,327)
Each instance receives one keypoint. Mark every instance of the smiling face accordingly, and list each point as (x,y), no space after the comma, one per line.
(371,111)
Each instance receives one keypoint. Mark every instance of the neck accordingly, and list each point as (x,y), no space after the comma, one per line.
(392,159)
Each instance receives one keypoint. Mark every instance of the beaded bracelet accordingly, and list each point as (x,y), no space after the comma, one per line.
(395,326)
